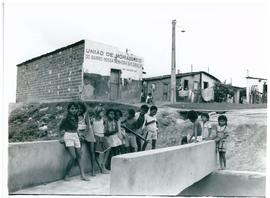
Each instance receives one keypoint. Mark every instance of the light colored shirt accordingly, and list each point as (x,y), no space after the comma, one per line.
(153,123)
(205,128)
(98,127)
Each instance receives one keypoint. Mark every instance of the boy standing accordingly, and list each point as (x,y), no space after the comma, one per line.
(151,126)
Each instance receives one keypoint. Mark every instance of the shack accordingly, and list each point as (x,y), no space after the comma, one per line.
(85,70)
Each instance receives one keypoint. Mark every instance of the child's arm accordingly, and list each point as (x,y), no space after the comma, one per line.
(209,133)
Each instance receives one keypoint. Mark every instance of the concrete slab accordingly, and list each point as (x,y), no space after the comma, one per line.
(98,185)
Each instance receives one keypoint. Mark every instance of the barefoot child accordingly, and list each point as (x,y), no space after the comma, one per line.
(102,147)
(130,122)
(111,130)
(151,126)
(221,139)
(68,127)
(86,133)
(196,127)
(206,127)
(121,131)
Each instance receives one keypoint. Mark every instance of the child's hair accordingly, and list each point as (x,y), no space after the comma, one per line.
(82,106)
(149,94)
(205,115)
(72,104)
(145,107)
(153,108)
(109,111)
(97,110)
(192,115)
(131,112)
(118,111)
(223,117)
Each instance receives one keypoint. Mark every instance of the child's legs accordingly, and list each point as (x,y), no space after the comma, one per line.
(78,152)
(220,159)
(72,161)
(223,159)
(91,149)
(154,143)
(138,141)
(98,161)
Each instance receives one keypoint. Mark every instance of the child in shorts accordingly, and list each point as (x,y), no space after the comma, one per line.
(86,133)
(130,123)
(111,130)
(151,126)
(102,147)
(68,127)
(206,127)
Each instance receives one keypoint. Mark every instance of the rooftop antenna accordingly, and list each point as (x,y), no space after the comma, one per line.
(191,68)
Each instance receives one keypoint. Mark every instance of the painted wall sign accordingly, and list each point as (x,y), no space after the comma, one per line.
(100,58)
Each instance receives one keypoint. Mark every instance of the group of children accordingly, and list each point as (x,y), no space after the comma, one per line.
(106,134)
(202,130)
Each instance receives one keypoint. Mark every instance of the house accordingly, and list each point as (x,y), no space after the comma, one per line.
(191,87)
(256,90)
(85,70)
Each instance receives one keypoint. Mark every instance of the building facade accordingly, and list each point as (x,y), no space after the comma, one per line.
(256,90)
(84,70)
(191,87)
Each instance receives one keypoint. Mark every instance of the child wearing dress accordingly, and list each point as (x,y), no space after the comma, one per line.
(86,133)
(151,126)
(102,148)
(221,139)
(68,127)
(206,127)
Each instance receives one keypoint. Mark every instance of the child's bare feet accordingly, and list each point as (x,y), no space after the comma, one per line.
(66,178)
(84,178)
(105,171)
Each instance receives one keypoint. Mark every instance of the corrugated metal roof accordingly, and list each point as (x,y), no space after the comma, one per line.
(181,75)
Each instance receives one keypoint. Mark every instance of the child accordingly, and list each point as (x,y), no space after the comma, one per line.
(151,126)
(196,127)
(121,131)
(111,130)
(206,127)
(102,147)
(131,144)
(86,133)
(139,125)
(221,136)
(68,127)
(149,99)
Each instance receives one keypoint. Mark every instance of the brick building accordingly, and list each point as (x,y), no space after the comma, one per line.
(84,70)
(189,86)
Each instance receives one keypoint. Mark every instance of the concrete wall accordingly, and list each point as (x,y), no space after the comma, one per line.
(34,163)
(228,183)
(53,76)
(165,171)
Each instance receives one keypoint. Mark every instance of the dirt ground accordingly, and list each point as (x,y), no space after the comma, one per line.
(246,143)
(247,124)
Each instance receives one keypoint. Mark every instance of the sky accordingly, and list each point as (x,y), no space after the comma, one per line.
(226,38)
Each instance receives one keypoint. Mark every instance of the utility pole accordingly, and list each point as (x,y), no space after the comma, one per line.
(173,76)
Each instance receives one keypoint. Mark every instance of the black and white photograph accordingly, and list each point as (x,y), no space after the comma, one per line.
(135,98)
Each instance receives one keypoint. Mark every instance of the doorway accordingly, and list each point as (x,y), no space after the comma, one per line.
(115,84)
